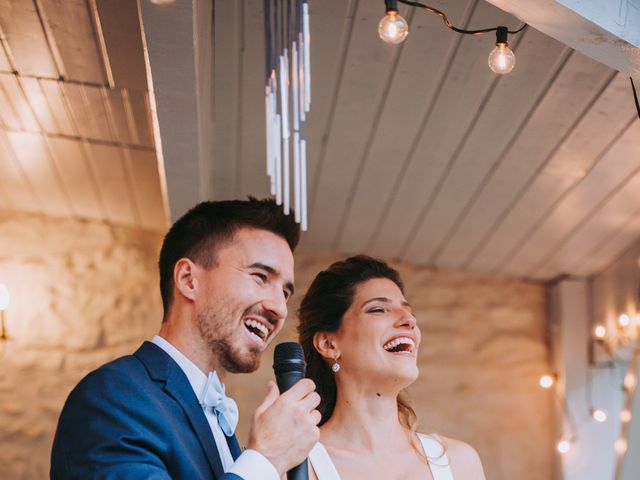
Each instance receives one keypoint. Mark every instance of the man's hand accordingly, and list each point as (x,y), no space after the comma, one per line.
(284,427)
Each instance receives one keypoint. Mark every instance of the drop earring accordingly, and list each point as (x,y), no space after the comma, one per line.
(336,366)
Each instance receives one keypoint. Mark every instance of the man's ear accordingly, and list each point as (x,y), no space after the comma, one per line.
(326,345)
(185,278)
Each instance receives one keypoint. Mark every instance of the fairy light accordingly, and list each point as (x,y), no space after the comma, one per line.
(625,415)
(624,320)
(599,332)
(599,415)
(620,445)
(546,381)
(630,381)
(563,446)
(393,29)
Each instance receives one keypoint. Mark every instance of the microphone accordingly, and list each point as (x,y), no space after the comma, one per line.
(289,367)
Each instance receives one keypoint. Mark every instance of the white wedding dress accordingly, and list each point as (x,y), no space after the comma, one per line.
(431,444)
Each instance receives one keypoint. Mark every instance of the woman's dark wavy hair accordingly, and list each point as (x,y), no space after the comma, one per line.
(322,309)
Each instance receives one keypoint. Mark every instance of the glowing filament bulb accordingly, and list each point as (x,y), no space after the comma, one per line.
(546,381)
(501,59)
(599,332)
(624,320)
(599,415)
(625,416)
(563,446)
(393,28)
(630,381)
(620,446)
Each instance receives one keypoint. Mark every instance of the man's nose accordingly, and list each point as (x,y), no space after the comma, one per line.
(276,304)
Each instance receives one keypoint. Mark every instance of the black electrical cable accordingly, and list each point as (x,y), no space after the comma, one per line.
(635,96)
(451,25)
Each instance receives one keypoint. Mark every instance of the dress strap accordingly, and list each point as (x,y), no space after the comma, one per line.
(322,464)
(436,456)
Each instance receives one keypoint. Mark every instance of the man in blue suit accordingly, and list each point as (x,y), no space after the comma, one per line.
(226,274)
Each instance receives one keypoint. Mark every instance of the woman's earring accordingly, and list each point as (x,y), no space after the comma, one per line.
(336,366)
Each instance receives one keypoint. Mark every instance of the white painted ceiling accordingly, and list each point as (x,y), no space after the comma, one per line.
(419,153)
(75,126)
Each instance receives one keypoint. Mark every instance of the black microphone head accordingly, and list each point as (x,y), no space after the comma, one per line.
(288,357)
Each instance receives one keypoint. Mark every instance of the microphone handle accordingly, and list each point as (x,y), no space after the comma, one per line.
(285,381)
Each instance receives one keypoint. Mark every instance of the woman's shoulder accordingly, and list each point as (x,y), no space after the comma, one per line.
(463,458)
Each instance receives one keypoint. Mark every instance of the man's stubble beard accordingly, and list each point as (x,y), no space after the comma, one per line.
(212,328)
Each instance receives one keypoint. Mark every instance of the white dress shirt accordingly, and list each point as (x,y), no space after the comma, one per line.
(251,464)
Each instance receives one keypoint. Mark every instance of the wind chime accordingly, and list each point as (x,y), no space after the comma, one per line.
(287,101)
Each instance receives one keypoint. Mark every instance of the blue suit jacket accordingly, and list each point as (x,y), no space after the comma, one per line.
(136,417)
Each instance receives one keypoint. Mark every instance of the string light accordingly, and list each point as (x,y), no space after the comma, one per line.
(563,446)
(546,381)
(393,29)
(599,332)
(625,415)
(630,381)
(501,59)
(620,446)
(599,415)
(624,320)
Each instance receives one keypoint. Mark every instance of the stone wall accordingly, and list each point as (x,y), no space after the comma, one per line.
(85,292)
(484,347)
(82,293)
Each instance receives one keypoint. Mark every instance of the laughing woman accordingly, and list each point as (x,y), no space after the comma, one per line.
(361,340)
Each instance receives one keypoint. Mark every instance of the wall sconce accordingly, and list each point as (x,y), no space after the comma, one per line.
(4,303)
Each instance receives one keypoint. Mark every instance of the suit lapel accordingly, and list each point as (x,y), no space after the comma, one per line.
(163,368)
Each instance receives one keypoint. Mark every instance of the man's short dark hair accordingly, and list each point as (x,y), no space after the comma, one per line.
(202,230)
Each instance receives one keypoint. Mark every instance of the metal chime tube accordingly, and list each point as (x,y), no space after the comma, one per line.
(287,100)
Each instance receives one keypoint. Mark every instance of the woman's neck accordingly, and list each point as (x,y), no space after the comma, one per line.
(366,421)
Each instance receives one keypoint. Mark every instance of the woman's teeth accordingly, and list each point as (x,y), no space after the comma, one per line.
(400,344)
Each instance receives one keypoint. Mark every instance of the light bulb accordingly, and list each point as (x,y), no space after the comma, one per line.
(563,446)
(599,415)
(624,320)
(4,297)
(599,332)
(393,28)
(546,381)
(501,59)
(620,446)
(630,381)
(625,416)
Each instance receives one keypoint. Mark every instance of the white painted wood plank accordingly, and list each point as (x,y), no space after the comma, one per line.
(123,39)
(253,177)
(406,106)
(14,183)
(466,84)
(141,117)
(39,104)
(115,104)
(58,107)
(577,85)
(619,210)
(19,102)
(227,97)
(31,151)
(615,168)
(21,26)
(108,164)
(73,34)
(146,188)
(482,151)
(78,109)
(569,164)
(70,158)
(95,106)
(5,65)
(359,98)
(608,251)
(8,113)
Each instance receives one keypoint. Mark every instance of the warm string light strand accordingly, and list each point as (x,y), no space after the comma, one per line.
(626,335)
(287,101)
(394,29)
